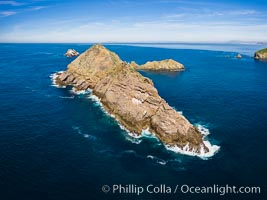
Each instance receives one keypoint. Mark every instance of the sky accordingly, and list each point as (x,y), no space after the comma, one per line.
(85,21)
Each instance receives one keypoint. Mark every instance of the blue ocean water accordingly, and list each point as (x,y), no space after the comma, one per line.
(58,145)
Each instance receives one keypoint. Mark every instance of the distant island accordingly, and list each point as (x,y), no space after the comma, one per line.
(131,98)
(261,54)
(164,65)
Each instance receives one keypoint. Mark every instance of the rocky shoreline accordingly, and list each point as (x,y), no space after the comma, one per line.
(131,99)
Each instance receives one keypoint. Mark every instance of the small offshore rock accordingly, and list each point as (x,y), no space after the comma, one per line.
(239,56)
(71,53)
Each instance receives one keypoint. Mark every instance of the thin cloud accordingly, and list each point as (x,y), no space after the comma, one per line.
(7,13)
(209,13)
(175,15)
(151,31)
(10,13)
(11,3)
(235,13)
(181,22)
(244,12)
(35,8)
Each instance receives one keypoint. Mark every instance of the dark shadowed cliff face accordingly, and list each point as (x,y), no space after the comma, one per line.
(130,97)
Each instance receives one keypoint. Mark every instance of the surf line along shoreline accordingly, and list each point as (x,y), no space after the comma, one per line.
(133,100)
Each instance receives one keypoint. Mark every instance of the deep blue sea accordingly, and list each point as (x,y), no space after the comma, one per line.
(58,145)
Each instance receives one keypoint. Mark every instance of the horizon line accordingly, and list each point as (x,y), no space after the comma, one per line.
(143,42)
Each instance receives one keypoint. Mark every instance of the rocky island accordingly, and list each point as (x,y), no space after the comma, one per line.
(239,56)
(132,98)
(261,54)
(164,65)
(71,53)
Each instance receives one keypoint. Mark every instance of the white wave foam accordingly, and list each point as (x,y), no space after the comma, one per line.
(80,92)
(147,134)
(72,97)
(162,162)
(91,137)
(79,131)
(44,53)
(73,90)
(77,128)
(53,78)
(133,140)
(137,139)
(203,130)
(157,160)
(132,137)
(213,149)
(97,102)
(180,112)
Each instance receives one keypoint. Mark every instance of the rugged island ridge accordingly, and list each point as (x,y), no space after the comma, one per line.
(131,98)
(164,65)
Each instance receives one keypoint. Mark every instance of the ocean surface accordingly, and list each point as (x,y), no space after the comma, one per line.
(55,144)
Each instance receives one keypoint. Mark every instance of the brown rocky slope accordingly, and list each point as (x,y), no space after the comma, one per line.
(130,97)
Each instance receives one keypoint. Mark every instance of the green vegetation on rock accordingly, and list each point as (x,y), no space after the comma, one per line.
(262,51)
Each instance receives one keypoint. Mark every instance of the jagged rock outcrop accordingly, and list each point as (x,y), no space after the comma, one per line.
(261,54)
(71,53)
(131,98)
(164,65)
(134,65)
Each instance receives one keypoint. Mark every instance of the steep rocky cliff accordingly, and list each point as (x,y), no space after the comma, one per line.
(131,98)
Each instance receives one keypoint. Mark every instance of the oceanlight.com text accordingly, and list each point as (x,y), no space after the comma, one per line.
(180,189)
